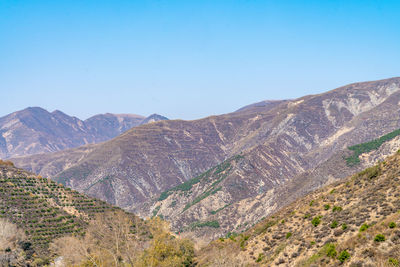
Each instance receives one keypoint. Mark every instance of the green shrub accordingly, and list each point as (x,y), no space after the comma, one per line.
(371,172)
(186,186)
(212,224)
(288,235)
(393,262)
(364,227)
(243,240)
(316,221)
(204,195)
(330,250)
(260,257)
(392,225)
(344,226)
(231,236)
(334,224)
(155,210)
(337,208)
(343,256)
(327,206)
(379,238)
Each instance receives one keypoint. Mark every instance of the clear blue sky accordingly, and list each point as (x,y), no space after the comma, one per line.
(188,59)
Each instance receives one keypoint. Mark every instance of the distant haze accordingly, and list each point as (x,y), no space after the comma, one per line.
(188,59)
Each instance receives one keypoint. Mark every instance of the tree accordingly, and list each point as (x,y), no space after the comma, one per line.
(110,240)
(10,239)
(166,249)
(117,239)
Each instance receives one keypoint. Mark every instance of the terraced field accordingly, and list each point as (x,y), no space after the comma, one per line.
(44,209)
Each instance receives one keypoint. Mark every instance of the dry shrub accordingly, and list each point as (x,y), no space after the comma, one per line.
(109,241)
(165,249)
(10,237)
(223,254)
(7,163)
(114,239)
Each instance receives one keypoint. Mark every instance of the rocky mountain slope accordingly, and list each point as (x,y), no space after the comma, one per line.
(354,222)
(142,162)
(35,130)
(261,106)
(276,144)
(214,203)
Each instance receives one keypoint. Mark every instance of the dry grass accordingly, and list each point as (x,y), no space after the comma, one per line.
(370,197)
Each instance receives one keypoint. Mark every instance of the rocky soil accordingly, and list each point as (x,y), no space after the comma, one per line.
(354,222)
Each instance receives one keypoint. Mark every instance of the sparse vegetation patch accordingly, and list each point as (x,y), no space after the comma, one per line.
(343,256)
(316,221)
(379,238)
(364,227)
(212,224)
(368,147)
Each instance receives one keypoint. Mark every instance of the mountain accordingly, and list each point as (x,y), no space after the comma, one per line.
(108,126)
(35,130)
(261,106)
(153,118)
(193,205)
(261,150)
(111,125)
(354,222)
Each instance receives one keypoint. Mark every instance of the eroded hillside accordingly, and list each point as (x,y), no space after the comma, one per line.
(35,130)
(277,143)
(219,201)
(354,222)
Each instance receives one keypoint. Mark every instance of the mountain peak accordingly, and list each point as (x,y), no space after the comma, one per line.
(34,130)
(261,106)
(32,110)
(154,118)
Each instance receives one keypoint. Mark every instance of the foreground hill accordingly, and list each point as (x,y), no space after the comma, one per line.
(43,222)
(42,208)
(35,130)
(354,222)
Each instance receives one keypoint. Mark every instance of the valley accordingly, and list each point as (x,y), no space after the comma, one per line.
(279,143)
(245,188)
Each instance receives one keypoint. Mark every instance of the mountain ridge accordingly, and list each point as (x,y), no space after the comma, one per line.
(278,145)
(34,130)
(197,201)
